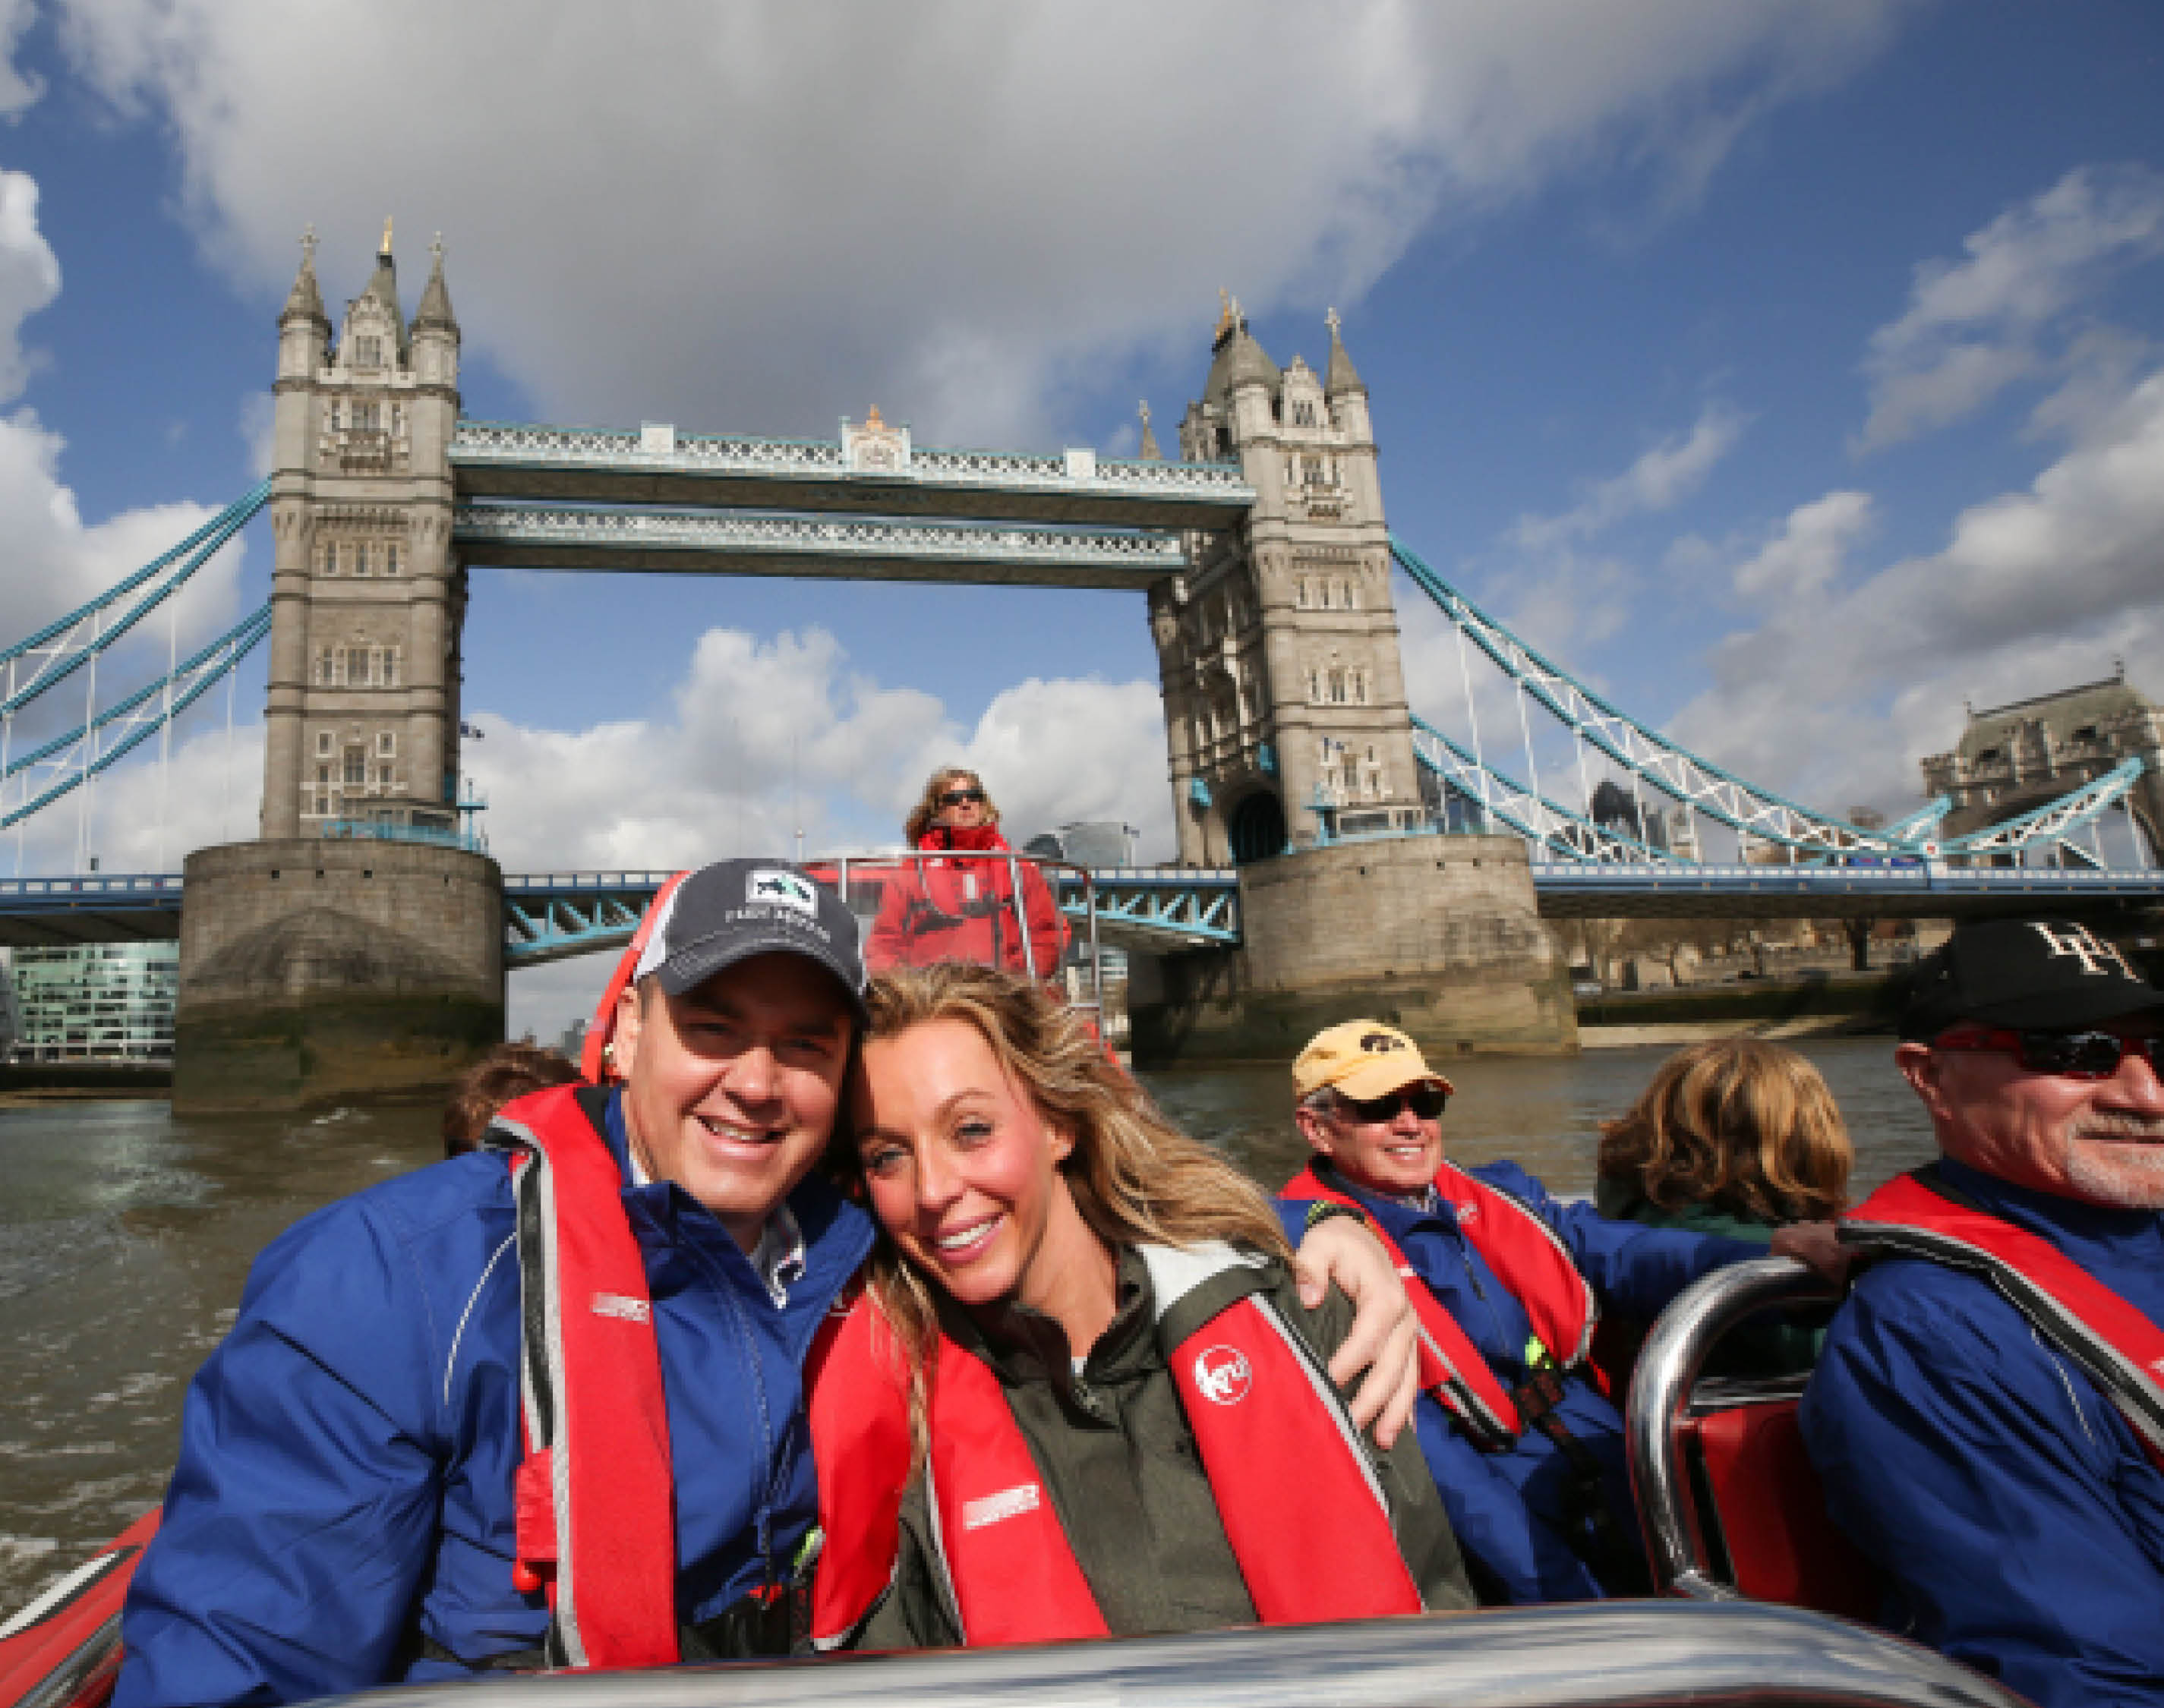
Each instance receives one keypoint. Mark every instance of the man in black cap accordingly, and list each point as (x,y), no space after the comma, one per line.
(483,1417)
(1987,1415)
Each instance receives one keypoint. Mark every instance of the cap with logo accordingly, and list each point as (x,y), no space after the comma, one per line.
(1362,1059)
(736,908)
(2024,974)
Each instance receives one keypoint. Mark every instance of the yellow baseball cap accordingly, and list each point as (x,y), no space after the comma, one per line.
(1362,1059)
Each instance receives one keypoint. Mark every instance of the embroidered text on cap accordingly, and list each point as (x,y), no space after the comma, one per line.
(2079,942)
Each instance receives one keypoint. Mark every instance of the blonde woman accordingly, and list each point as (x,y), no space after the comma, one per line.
(960,905)
(1108,1409)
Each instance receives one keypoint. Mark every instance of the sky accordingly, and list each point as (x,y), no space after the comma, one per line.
(1792,372)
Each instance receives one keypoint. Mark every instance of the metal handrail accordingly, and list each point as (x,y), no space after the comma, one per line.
(1646,1654)
(1668,1368)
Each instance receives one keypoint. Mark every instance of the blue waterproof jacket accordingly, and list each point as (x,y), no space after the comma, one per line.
(2018,1520)
(1510,1509)
(344,1489)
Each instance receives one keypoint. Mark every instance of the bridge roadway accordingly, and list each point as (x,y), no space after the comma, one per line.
(551,916)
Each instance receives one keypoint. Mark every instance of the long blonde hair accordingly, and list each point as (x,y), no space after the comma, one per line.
(1135,1178)
(926,809)
(1744,1126)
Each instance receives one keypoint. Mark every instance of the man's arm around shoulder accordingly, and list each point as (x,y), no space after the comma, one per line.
(1992,1484)
(300,1518)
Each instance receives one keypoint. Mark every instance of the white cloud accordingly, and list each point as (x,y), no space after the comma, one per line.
(1661,477)
(770,736)
(1839,692)
(1973,326)
(761,216)
(1807,555)
(18,88)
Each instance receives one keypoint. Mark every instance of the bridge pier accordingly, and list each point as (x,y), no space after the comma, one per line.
(312,970)
(1439,935)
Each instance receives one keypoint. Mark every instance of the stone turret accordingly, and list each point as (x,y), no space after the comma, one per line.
(1290,752)
(304,330)
(354,949)
(435,328)
(1284,700)
(1342,385)
(361,720)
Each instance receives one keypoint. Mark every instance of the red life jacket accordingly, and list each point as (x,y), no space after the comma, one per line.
(1266,1420)
(967,909)
(2118,1346)
(594,1493)
(595,1065)
(1526,1257)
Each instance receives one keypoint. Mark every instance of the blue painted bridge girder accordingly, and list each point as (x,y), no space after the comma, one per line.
(551,916)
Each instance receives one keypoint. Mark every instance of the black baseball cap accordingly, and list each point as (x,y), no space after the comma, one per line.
(2024,974)
(736,908)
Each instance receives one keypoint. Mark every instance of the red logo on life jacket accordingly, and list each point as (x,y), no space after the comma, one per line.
(1222,1376)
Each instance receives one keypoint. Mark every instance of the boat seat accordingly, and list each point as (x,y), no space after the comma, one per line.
(1727,1496)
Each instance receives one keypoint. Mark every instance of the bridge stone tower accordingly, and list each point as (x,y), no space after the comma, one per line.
(355,949)
(366,601)
(1284,703)
(1289,736)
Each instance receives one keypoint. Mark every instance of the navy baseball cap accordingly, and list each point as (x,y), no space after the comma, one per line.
(2024,974)
(736,908)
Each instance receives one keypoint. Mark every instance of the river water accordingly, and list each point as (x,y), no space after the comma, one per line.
(125,1236)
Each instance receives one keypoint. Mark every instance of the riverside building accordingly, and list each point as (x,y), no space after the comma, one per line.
(95,1002)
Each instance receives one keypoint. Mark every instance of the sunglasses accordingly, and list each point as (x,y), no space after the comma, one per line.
(1425,1101)
(958,797)
(2069,1054)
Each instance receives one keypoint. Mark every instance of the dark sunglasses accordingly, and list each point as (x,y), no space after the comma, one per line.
(956,797)
(2069,1054)
(1425,1101)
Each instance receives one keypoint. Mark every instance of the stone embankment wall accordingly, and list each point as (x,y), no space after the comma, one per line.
(313,970)
(1440,935)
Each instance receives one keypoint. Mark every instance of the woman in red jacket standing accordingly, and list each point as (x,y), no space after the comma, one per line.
(957,899)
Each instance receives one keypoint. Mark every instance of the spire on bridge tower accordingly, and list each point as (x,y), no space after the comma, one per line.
(1149,453)
(306,298)
(435,309)
(1342,377)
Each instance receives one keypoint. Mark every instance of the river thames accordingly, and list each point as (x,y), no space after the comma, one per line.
(125,1236)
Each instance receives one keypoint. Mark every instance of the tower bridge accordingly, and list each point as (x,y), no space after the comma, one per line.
(361,942)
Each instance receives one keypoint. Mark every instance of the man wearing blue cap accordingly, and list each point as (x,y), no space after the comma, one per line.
(1987,1415)
(485,1418)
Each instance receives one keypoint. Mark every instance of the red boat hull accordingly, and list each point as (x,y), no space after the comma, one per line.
(63,1650)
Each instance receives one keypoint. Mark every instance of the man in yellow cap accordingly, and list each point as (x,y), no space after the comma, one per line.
(1524,1443)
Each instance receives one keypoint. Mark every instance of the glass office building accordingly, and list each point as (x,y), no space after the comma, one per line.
(95,1002)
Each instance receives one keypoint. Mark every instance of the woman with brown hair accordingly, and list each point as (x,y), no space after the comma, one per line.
(1735,1136)
(1107,1403)
(957,901)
